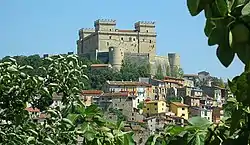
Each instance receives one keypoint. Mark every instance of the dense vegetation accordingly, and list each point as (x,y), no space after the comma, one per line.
(62,125)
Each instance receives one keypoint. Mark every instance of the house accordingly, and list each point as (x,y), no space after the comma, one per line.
(173,82)
(180,109)
(203,75)
(217,114)
(196,92)
(192,101)
(141,90)
(201,112)
(159,88)
(215,93)
(183,92)
(188,83)
(87,96)
(122,101)
(192,77)
(154,107)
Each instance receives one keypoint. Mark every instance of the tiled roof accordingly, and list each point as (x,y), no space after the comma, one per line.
(92,92)
(128,83)
(30,109)
(125,94)
(179,104)
(173,78)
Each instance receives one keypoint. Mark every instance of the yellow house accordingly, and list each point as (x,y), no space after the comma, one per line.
(181,110)
(154,107)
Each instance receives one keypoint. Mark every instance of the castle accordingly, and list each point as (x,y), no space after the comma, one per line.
(112,45)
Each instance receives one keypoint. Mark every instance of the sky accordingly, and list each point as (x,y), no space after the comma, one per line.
(51,26)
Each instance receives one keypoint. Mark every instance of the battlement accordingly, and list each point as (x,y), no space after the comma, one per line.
(145,23)
(87,30)
(105,21)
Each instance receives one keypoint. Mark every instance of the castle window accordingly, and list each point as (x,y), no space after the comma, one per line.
(150,41)
(122,38)
(130,39)
(110,37)
(133,39)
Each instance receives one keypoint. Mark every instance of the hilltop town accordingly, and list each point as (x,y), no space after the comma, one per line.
(146,103)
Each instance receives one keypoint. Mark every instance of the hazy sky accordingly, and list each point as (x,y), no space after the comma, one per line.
(51,26)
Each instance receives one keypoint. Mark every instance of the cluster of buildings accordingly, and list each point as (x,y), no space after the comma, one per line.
(148,105)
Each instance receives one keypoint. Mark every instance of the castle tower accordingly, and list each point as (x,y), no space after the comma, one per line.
(174,60)
(105,25)
(115,57)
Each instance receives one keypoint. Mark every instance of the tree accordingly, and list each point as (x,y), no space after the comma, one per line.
(168,71)
(177,72)
(61,75)
(159,73)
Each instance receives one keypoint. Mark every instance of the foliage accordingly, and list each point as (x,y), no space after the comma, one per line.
(70,124)
(218,82)
(177,72)
(193,134)
(118,113)
(159,73)
(140,105)
(173,99)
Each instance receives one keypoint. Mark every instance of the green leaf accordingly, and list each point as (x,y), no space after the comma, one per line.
(225,55)
(246,9)
(128,139)
(210,25)
(31,140)
(243,51)
(12,69)
(73,117)
(105,129)
(199,122)
(221,6)
(193,6)
(48,141)
(65,120)
(236,116)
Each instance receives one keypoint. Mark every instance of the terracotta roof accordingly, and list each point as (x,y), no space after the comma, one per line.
(173,78)
(100,65)
(179,104)
(92,92)
(173,81)
(128,83)
(125,94)
(30,109)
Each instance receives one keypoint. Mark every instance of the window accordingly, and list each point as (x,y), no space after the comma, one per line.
(110,29)
(183,115)
(120,99)
(150,41)
(162,109)
(147,31)
(110,37)
(133,39)
(155,103)
(155,108)
(162,104)
(102,98)
(132,114)
(148,109)
(107,43)
(183,108)
(138,100)
(133,119)
(130,39)
(121,38)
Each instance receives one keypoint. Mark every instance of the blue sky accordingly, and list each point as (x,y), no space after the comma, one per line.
(51,26)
